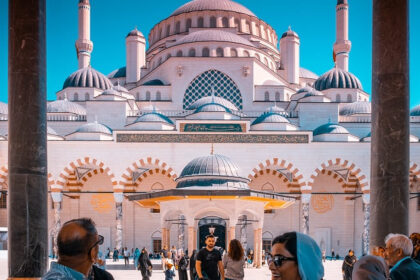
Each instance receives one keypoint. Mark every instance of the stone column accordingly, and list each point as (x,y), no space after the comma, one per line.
(195,239)
(27,145)
(181,232)
(57,198)
(306,198)
(366,221)
(118,196)
(244,239)
(390,132)
(191,239)
(231,235)
(257,247)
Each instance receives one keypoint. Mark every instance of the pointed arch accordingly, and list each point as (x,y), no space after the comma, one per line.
(4,175)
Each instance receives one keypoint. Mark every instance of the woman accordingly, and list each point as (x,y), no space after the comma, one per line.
(296,256)
(145,265)
(169,267)
(136,256)
(182,265)
(234,261)
(193,272)
(370,267)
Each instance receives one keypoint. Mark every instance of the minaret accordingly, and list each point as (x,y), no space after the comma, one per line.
(84,45)
(135,44)
(289,53)
(342,45)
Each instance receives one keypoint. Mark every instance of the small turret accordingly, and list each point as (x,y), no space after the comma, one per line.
(84,45)
(289,51)
(342,45)
(135,55)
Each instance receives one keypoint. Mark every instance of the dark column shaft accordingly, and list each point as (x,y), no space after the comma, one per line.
(390,120)
(27,215)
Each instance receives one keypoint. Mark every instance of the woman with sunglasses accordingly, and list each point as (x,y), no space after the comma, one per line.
(296,256)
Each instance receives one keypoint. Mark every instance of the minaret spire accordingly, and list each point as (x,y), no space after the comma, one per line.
(84,45)
(342,44)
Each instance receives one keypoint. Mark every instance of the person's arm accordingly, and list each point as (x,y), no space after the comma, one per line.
(221,270)
(198,268)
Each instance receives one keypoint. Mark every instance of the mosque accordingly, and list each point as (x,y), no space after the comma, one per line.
(214,127)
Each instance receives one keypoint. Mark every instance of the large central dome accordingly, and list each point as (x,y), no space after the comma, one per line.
(212,5)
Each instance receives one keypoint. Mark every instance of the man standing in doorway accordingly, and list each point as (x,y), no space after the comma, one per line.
(209,262)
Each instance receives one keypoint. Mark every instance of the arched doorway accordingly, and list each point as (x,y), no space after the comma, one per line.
(212,225)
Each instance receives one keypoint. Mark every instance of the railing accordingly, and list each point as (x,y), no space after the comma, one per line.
(358,119)
(66,118)
(183,113)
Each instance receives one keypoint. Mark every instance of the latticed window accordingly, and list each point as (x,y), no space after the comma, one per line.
(3,200)
(223,86)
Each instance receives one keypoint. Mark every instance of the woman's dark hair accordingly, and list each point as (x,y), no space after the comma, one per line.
(236,252)
(289,241)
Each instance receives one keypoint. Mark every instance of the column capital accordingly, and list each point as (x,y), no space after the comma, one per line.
(119,197)
(57,196)
(366,198)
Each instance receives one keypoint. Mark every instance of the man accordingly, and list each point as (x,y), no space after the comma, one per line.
(348,263)
(78,245)
(208,263)
(398,256)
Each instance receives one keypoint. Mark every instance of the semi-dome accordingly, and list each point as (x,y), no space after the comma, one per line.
(118,73)
(89,78)
(155,82)
(415,112)
(337,78)
(212,171)
(94,128)
(330,128)
(120,88)
(4,108)
(275,109)
(212,5)
(305,92)
(305,73)
(65,106)
(212,107)
(51,131)
(212,99)
(154,117)
(213,35)
(270,117)
(359,107)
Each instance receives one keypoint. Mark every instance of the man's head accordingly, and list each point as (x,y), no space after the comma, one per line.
(398,246)
(351,253)
(210,241)
(78,240)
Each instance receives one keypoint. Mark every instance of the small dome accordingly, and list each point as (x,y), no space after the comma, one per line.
(51,131)
(65,106)
(213,35)
(155,82)
(359,107)
(213,5)
(212,107)
(270,117)
(110,91)
(415,112)
(118,73)
(4,108)
(135,32)
(154,117)
(120,88)
(330,128)
(89,78)
(305,73)
(337,78)
(290,33)
(212,100)
(94,128)
(305,92)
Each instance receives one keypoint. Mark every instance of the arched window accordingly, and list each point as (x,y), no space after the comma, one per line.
(137,96)
(225,22)
(349,98)
(257,30)
(267,187)
(213,22)
(263,34)
(87,96)
(266,96)
(191,52)
(338,98)
(179,53)
(189,23)
(147,96)
(76,96)
(277,96)
(258,56)
(265,61)
(158,96)
(238,24)
(246,54)
(178,27)
(205,52)
(168,30)
(200,22)
(247,27)
(233,52)
(219,52)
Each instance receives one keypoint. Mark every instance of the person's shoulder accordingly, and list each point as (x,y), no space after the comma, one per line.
(54,275)
(101,273)
(407,268)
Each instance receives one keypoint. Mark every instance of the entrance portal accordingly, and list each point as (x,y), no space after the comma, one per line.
(215,226)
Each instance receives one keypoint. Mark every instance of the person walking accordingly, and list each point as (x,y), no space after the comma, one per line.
(234,261)
(183,262)
(115,255)
(169,267)
(348,263)
(126,255)
(193,271)
(209,261)
(144,264)
(136,256)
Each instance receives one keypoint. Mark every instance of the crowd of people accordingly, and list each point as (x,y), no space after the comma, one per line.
(294,256)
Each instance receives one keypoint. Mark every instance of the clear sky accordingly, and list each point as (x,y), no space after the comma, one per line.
(111,20)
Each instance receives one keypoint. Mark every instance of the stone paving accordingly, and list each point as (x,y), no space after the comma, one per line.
(121,272)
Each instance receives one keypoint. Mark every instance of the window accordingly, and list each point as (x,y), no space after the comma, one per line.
(179,53)
(137,96)
(147,95)
(76,96)
(213,22)
(86,96)
(189,23)
(3,201)
(266,246)
(200,22)
(157,245)
(247,27)
(338,98)
(258,56)
(277,96)
(168,30)
(233,53)
(219,52)
(238,24)
(158,98)
(269,211)
(246,54)
(349,99)
(266,96)
(265,61)
(178,27)
(225,22)
(191,52)
(160,33)
(206,52)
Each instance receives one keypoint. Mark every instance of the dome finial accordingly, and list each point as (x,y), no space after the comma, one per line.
(290,28)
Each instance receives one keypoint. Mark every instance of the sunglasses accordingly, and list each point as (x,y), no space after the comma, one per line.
(99,242)
(279,259)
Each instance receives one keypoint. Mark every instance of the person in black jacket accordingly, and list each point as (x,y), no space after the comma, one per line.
(183,262)
(193,272)
(398,256)
(145,265)
(348,263)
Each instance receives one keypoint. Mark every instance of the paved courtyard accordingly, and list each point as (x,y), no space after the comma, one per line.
(121,272)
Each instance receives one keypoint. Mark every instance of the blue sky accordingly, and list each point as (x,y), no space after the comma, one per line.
(314,21)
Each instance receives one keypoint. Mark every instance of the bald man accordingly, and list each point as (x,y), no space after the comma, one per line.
(78,244)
